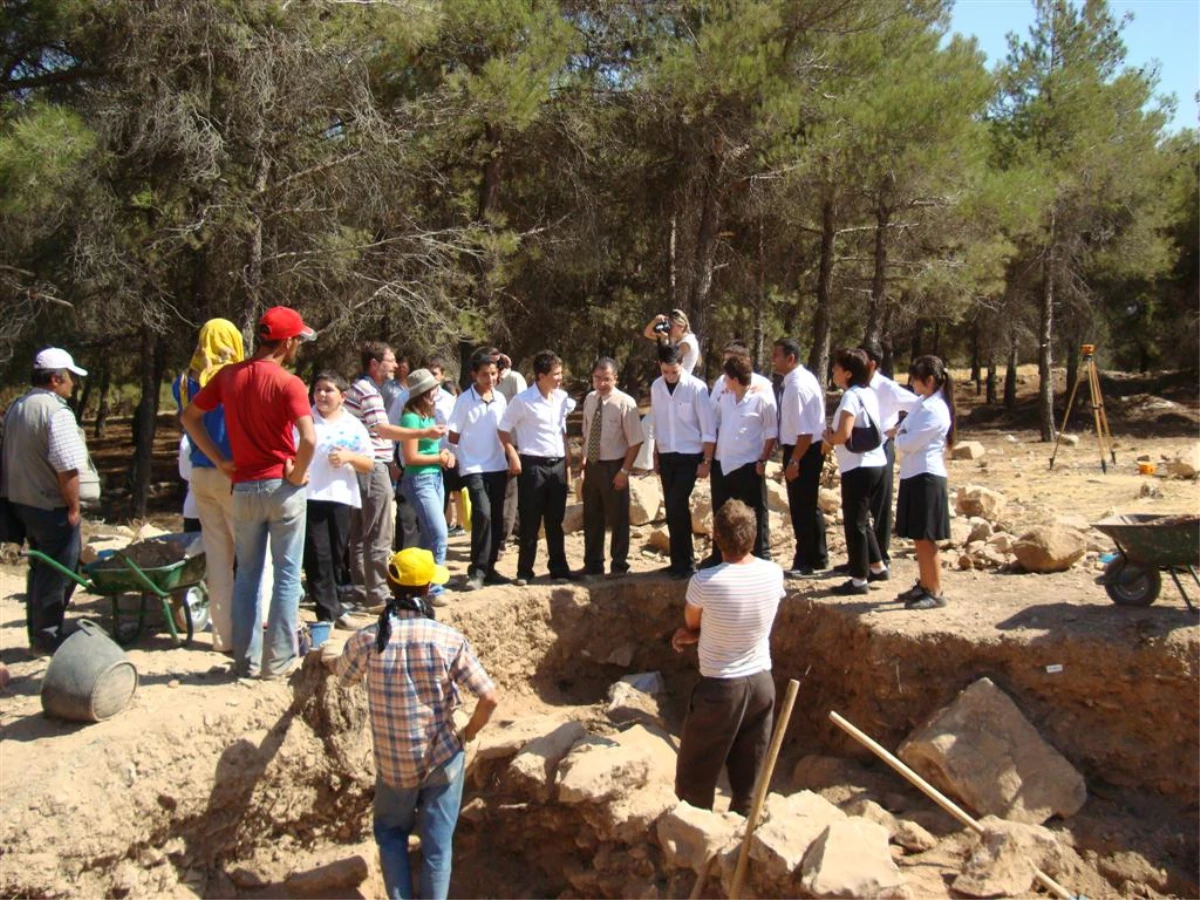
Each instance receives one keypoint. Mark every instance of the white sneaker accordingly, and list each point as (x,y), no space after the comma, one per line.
(344,622)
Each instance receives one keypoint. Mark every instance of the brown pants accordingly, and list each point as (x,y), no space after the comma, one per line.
(728,724)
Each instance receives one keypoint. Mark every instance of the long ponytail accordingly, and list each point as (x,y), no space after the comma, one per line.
(932,367)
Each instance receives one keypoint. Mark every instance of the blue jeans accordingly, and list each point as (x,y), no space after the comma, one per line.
(433,808)
(428,497)
(272,509)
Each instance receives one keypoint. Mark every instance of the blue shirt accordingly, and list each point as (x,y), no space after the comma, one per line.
(214,424)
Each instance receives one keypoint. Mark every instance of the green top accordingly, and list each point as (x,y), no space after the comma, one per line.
(425,446)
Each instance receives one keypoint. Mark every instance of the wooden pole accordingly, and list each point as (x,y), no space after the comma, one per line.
(764,783)
(936,796)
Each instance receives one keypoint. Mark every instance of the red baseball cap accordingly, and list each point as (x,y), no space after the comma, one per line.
(282,322)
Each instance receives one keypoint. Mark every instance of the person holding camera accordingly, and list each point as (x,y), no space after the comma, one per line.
(676,329)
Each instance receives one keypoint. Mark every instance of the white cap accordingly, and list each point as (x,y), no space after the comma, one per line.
(53,358)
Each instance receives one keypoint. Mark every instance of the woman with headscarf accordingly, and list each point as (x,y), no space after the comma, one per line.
(219,344)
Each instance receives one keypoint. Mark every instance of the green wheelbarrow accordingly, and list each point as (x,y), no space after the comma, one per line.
(178,587)
(1146,546)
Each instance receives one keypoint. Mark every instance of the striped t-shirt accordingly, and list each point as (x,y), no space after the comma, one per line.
(739,602)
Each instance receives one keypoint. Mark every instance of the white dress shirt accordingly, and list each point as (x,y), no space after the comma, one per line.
(744,427)
(801,408)
(477,423)
(860,402)
(922,438)
(683,419)
(757,383)
(537,423)
(892,400)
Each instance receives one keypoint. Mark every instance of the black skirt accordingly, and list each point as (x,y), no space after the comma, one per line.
(923,508)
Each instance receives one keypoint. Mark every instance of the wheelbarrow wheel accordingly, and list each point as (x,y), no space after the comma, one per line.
(1134,586)
(190,609)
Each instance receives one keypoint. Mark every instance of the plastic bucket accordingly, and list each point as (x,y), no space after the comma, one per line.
(1147,468)
(319,632)
(89,679)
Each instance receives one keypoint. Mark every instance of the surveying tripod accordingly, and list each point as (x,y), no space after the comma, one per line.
(1103,433)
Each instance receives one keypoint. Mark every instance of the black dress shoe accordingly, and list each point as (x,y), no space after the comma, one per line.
(850,589)
(496,578)
(799,572)
(843,569)
(681,574)
(878,576)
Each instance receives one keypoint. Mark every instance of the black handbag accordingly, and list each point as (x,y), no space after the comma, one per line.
(864,438)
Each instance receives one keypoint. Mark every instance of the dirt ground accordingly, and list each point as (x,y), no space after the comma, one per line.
(72,793)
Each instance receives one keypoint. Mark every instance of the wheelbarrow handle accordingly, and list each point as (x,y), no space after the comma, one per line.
(55,564)
(141,576)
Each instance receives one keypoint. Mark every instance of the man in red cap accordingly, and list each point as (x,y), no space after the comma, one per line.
(263,401)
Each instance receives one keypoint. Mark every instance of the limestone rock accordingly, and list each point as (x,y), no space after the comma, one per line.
(829,500)
(981,529)
(976,500)
(599,768)
(503,739)
(872,812)
(91,553)
(983,751)
(968,450)
(793,823)
(660,539)
(777,500)
(852,859)
(533,769)
(960,534)
(913,837)
(627,703)
(645,500)
(631,812)
(1070,440)
(148,531)
(1001,542)
(1186,464)
(337,878)
(690,836)
(1049,548)
(1002,863)
(702,511)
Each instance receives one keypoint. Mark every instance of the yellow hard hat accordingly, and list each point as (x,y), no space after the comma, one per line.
(415,567)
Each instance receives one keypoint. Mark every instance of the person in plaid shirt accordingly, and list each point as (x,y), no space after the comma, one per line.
(415,669)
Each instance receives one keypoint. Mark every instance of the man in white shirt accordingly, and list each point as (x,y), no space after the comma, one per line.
(893,400)
(801,424)
(682,422)
(729,612)
(509,382)
(536,421)
(475,434)
(747,426)
(612,437)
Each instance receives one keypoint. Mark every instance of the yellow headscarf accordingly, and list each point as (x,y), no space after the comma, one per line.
(219,344)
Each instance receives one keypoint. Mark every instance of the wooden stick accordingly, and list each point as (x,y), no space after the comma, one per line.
(936,796)
(701,878)
(764,784)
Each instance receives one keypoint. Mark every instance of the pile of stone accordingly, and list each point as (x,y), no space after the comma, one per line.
(597,796)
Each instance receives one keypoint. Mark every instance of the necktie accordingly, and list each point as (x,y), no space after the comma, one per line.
(593,453)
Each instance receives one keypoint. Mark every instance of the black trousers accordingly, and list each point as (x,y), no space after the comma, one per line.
(858,487)
(326,536)
(605,507)
(745,484)
(678,473)
(808,521)
(408,530)
(728,724)
(47,592)
(881,503)
(486,490)
(511,525)
(542,500)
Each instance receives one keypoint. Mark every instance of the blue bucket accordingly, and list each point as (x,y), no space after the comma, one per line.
(320,632)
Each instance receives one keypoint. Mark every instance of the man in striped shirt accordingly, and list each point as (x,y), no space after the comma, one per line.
(44,458)
(415,669)
(729,612)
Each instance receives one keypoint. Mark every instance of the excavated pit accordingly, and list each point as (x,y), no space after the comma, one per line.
(229,797)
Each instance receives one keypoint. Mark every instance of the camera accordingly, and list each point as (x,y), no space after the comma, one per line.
(663,327)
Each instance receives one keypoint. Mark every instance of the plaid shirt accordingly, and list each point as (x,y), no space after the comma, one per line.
(412,692)
(366,404)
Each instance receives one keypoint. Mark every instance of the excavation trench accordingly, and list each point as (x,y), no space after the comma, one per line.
(226,802)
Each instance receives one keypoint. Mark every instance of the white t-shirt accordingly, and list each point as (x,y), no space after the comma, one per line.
(536,423)
(921,440)
(477,425)
(861,403)
(338,485)
(689,346)
(739,602)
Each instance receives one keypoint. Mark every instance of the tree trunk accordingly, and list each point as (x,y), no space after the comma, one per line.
(706,244)
(1010,376)
(103,407)
(888,362)
(760,300)
(254,255)
(937,338)
(976,365)
(918,333)
(145,420)
(878,278)
(85,397)
(1045,347)
(818,356)
(673,262)
(991,379)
